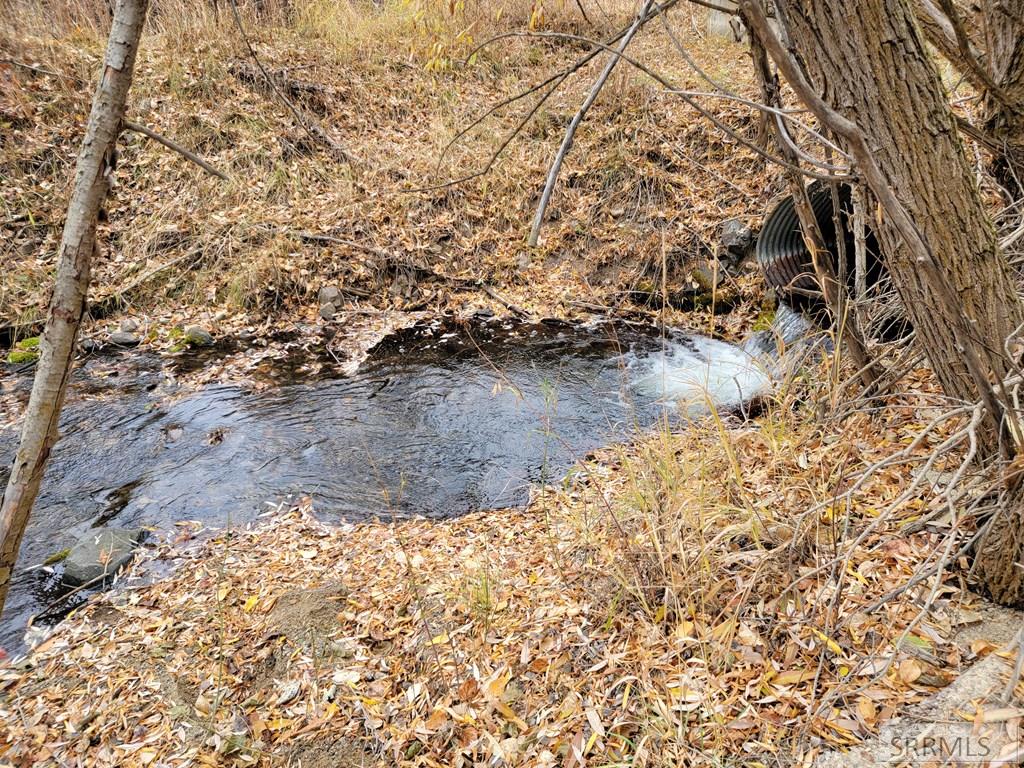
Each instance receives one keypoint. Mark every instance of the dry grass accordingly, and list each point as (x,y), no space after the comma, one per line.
(646,173)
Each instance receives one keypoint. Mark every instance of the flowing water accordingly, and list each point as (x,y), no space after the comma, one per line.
(440,420)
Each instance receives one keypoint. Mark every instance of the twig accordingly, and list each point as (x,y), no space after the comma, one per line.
(175,146)
(683,94)
(970,58)
(570,132)
(466,282)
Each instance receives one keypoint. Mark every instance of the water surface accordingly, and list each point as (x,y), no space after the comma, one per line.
(439,421)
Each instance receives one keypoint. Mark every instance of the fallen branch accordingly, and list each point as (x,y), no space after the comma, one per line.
(570,133)
(175,146)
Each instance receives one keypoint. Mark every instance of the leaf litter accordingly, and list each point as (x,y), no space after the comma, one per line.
(579,631)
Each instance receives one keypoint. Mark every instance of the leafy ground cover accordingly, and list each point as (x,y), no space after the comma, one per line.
(708,596)
(666,605)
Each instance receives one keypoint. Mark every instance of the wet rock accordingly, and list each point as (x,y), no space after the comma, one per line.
(102,552)
(330,294)
(129,325)
(197,336)
(124,339)
(327,311)
(736,241)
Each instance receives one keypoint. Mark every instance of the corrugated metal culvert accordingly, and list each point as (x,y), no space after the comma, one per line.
(785,259)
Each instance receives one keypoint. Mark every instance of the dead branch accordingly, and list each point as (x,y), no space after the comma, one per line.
(175,146)
(833,290)
(688,99)
(570,132)
(392,258)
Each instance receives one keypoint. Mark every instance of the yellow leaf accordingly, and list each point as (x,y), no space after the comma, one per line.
(250,603)
(440,639)
(828,641)
(508,714)
(793,676)
(496,687)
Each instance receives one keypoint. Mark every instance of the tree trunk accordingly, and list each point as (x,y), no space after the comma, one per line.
(1004,115)
(67,305)
(994,37)
(868,62)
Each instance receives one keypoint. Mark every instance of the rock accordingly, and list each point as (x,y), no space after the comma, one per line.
(103,551)
(330,294)
(197,336)
(124,339)
(704,278)
(89,345)
(129,325)
(736,241)
(327,311)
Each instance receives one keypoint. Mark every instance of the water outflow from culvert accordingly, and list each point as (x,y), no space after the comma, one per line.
(439,421)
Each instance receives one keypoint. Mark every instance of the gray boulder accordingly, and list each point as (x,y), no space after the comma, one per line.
(101,552)
(327,311)
(330,294)
(736,242)
(197,336)
(124,339)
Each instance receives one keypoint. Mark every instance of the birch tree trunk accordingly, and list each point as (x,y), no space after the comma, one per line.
(867,61)
(93,173)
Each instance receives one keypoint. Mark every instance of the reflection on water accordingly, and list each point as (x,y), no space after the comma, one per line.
(439,421)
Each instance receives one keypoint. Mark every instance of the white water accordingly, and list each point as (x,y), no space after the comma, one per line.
(699,375)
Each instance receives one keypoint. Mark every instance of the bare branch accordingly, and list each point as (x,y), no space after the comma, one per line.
(173,145)
(570,132)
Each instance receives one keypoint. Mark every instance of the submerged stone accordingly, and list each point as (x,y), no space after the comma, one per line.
(103,552)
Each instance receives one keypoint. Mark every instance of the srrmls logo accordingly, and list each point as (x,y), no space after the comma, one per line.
(954,749)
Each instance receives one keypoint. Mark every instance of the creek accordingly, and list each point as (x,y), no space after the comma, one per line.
(440,420)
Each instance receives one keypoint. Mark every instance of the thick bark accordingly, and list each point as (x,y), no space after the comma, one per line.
(989,53)
(67,304)
(1004,113)
(868,63)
